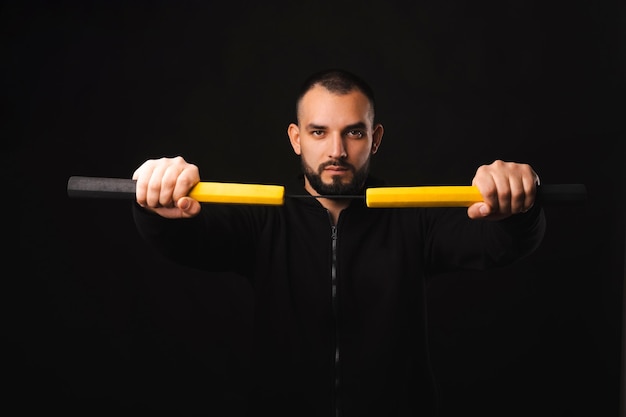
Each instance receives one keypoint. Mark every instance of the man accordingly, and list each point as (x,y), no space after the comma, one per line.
(340,324)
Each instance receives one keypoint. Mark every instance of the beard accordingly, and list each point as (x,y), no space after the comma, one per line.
(337,186)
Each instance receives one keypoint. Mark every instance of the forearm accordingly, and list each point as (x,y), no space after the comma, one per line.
(528,229)
(195,242)
(456,242)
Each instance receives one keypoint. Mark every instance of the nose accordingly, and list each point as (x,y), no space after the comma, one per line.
(337,147)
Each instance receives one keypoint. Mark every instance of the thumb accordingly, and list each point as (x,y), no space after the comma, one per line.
(478,211)
(188,206)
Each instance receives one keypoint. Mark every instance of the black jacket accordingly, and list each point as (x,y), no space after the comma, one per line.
(340,311)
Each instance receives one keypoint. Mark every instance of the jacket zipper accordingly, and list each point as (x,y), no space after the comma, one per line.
(333,275)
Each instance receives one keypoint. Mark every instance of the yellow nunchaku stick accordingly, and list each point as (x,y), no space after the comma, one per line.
(236,193)
(215,192)
(262,194)
(424,196)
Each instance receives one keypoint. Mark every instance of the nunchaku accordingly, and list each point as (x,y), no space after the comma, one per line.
(274,195)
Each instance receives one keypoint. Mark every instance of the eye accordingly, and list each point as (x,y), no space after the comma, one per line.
(356,134)
(317,132)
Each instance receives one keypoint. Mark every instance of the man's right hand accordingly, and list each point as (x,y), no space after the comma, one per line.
(163,185)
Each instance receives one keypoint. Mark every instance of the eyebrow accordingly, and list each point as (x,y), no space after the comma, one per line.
(313,126)
(359,125)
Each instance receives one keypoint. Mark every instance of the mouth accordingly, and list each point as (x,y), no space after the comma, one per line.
(336,167)
(337,173)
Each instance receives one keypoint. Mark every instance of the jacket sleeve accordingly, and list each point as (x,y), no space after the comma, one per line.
(454,241)
(218,239)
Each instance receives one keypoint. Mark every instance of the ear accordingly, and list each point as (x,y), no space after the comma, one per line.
(294,137)
(377,137)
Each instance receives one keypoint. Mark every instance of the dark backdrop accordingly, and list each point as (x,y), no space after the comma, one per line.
(98,324)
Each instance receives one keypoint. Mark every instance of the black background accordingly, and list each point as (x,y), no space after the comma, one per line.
(98,324)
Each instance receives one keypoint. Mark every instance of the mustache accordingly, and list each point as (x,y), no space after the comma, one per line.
(337,163)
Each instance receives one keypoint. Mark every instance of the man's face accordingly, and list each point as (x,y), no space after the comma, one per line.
(335,140)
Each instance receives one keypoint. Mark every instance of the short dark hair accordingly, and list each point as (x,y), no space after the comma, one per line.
(337,81)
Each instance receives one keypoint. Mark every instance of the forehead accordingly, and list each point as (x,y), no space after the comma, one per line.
(325,108)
